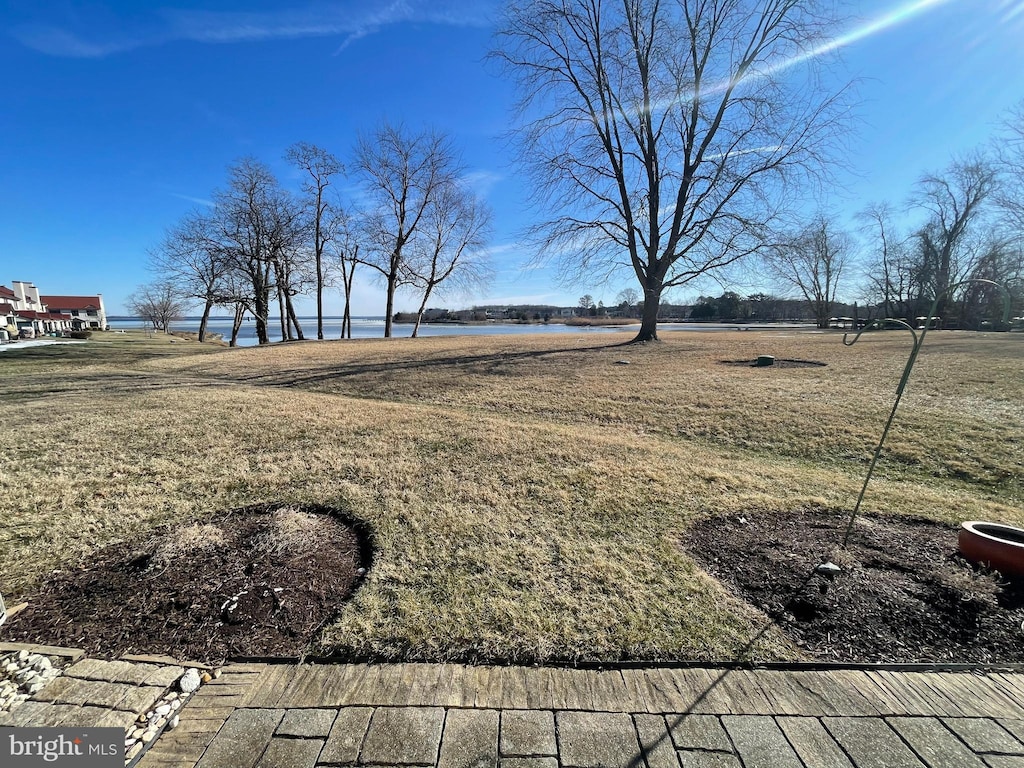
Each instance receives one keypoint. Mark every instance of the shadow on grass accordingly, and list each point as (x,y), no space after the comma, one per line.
(490,363)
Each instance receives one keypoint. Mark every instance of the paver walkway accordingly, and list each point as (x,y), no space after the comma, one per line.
(445,715)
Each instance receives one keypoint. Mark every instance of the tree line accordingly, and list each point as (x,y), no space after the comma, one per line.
(968,225)
(418,225)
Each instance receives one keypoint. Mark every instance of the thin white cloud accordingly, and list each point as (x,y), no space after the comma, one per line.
(197,200)
(481,182)
(351,19)
(60,42)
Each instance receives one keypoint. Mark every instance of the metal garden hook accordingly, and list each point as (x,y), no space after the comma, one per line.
(918,341)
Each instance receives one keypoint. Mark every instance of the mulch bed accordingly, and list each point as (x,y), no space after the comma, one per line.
(904,594)
(260,581)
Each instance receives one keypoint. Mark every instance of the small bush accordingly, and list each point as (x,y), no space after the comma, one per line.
(80,334)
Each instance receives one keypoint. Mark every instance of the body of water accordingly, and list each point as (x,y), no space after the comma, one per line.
(373,328)
(362,328)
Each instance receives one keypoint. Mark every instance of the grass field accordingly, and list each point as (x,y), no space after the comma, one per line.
(528,494)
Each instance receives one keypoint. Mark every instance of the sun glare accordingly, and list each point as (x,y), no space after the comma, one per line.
(891,18)
(898,15)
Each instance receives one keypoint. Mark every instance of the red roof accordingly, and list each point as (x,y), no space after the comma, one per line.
(71,302)
(5,291)
(7,309)
(31,314)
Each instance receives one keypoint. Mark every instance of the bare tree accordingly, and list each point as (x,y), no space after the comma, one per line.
(260,231)
(814,262)
(320,165)
(953,200)
(158,303)
(1000,261)
(450,256)
(892,271)
(1009,150)
(191,259)
(402,173)
(343,247)
(665,135)
(629,297)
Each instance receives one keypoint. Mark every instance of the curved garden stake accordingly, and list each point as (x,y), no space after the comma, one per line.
(918,341)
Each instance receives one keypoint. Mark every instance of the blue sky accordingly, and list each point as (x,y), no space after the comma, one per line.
(116,118)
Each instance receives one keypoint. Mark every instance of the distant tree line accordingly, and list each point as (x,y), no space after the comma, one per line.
(418,226)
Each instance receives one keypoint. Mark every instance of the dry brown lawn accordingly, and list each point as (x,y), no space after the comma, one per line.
(527,493)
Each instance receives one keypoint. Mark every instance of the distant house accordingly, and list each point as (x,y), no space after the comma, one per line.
(25,312)
(85,311)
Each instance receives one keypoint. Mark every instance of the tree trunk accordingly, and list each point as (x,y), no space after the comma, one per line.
(319,280)
(236,325)
(262,313)
(282,314)
(347,320)
(293,319)
(205,318)
(419,314)
(649,317)
(389,312)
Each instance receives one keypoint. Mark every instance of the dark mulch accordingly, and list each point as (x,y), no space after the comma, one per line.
(247,583)
(779,363)
(904,595)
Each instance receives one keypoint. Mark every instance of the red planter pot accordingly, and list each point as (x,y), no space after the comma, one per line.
(997,546)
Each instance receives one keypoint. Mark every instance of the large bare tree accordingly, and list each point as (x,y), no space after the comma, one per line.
(665,134)
(450,256)
(953,200)
(814,261)
(320,166)
(402,173)
(261,232)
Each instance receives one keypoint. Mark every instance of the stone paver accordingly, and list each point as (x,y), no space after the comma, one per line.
(529,762)
(242,739)
(470,739)
(1004,761)
(655,741)
(812,743)
(307,723)
(760,742)
(112,671)
(698,732)
(163,676)
(871,743)
(528,733)
(596,740)
(403,736)
(710,760)
(984,735)
(291,753)
(140,699)
(934,743)
(346,736)
(1016,727)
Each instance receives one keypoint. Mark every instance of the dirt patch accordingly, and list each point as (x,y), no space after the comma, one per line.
(779,363)
(904,593)
(259,581)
